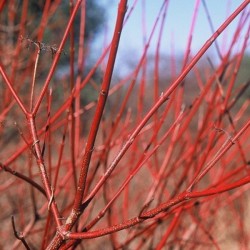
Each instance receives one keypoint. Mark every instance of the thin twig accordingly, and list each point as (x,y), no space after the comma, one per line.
(19,236)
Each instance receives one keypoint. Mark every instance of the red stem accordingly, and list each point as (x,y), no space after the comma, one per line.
(100,105)
(56,58)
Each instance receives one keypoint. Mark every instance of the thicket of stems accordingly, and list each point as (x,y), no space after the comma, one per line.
(149,163)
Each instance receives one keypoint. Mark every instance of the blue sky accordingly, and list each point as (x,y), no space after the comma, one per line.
(177,25)
(178,21)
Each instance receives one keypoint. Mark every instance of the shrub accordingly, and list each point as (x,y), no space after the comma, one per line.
(148,171)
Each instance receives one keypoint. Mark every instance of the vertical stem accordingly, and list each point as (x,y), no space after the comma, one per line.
(56,58)
(34,79)
(72,82)
(100,105)
(42,168)
(80,62)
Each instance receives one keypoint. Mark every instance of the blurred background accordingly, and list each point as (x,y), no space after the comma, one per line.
(177,26)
